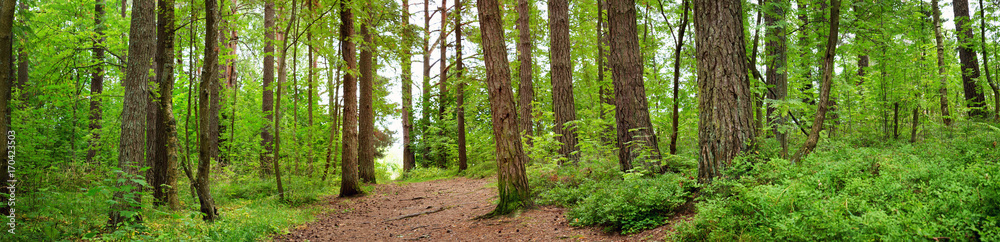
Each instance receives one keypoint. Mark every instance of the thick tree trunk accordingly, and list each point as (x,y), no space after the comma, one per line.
(942,68)
(512,183)
(131,148)
(366,119)
(460,95)
(6,86)
(974,97)
(636,141)
(526,86)
(726,118)
(824,93)
(267,102)
(164,168)
(409,158)
(349,157)
(96,83)
(562,79)
(208,111)
(677,77)
(986,63)
(776,52)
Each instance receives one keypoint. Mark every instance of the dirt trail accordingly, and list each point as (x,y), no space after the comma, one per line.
(444,210)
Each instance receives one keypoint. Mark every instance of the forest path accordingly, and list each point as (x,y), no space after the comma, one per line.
(444,210)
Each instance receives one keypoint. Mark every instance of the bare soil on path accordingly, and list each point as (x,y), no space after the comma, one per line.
(445,210)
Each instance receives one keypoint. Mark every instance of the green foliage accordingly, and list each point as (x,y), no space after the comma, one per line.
(421,174)
(942,188)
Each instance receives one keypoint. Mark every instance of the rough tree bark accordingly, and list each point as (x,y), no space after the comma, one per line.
(724,102)
(512,183)
(677,77)
(425,97)
(131,148)
(942,68)
(409,158)
(349,155)
(164,168)
(460,95)
(776,48)
(526,86)
(605,91)
(974,97)
(6,86)
(208,111)
(636,141)
(267,102)
(96,82)
(824,91)
(562,79)
(366,117)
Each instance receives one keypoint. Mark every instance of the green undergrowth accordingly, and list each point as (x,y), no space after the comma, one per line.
(597,193)
(249,210)
(943,187)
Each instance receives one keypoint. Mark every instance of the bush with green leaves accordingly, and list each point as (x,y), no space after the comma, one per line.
(938,188)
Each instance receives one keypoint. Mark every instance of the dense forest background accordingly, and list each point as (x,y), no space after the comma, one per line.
(766,119)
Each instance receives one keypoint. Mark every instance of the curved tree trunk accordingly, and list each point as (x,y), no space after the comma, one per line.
(986,64)
(636,141)
(511,180)
(562,79)
(677,77)
(349,157)
(824,93)
(725,115)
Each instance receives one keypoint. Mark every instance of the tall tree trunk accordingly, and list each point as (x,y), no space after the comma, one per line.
(349,157)
(525,86)
(425,97)
(267,102)
(511,180)
(310,142)
(776,48)
(974,97)
(726,118)
(6,86)
(409,158)
(942,68)
(96,83)
(208,111)
(677,77)
(460,95)
(986,63)
(282,77)
(605,91)
(636,141)
(334,108)
(164,168)
(131,148)
(366,117)
(442,151)
(562,79)
(824,93)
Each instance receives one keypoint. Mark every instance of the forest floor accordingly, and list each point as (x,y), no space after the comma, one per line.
(446,210)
